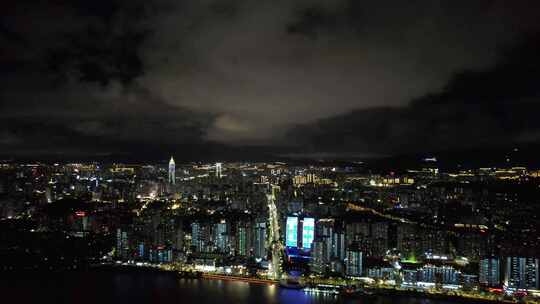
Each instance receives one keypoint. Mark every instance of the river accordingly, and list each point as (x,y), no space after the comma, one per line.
(97,287)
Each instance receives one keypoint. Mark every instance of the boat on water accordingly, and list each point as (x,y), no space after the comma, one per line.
(324,289)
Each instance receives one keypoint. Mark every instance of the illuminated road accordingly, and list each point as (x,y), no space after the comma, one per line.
(275,243)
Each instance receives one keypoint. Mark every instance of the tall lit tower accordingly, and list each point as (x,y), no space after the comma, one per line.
(218,170)
(172,170)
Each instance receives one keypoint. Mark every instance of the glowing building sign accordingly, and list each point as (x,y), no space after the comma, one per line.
(308,232)
(292,232)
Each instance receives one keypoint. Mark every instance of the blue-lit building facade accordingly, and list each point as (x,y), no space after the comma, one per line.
(299,241)
(489,273)
(521,273)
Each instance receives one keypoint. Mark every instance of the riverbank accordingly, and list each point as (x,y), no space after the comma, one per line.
(376,291)
(146,287)
(237,278)
(437,296)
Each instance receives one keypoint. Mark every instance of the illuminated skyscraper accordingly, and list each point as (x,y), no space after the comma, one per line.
(319,260)
(292,232)
(221,236)
(489,273)
(196,236)
(260,239)
(122,245)
(338,245)
(521,273)
(218,170)
(308,232)
(354,263)
(172,170)
(243,239)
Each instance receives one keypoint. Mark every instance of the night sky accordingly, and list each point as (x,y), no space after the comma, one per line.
(211,78)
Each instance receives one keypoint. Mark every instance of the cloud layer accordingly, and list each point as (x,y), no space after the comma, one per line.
(131,76)
(492,107)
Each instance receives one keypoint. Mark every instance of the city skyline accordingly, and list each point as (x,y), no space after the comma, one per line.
(318,228)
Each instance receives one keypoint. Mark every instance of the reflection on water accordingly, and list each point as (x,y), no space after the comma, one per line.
(138,288)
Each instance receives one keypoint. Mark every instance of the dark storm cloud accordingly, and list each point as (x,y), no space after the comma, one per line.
(491,107)
(114,119)
(188,74)
(265,66)
(69,84)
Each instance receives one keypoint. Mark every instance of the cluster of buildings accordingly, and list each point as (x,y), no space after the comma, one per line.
(421,228)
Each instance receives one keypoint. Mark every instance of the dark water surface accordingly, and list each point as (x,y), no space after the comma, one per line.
(97,287)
